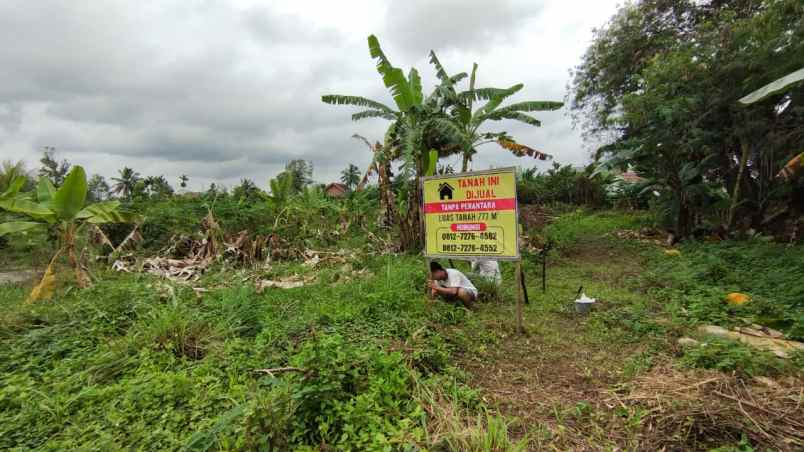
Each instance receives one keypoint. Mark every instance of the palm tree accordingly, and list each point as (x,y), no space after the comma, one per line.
(183,181)
(246,191)
(125,184)
(157,186)
(351,176)
(469,121)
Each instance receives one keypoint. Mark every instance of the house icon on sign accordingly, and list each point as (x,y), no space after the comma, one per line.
(445,191)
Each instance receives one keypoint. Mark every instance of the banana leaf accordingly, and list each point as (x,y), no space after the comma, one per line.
(69,199)
(13,227)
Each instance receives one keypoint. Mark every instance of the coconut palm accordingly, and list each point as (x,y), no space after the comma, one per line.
(157,186)
(350,176)
(125,184)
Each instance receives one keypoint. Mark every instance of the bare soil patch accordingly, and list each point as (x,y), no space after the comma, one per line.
(16,276)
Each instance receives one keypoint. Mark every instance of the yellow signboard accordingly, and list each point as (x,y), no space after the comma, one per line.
(471,215)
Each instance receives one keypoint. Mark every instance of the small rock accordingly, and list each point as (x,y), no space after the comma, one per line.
(687,342)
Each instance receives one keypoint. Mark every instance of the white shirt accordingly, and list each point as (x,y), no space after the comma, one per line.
(487,269)
(457,279)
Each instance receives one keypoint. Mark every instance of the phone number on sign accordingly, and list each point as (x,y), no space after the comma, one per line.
(457,236)
(468,248)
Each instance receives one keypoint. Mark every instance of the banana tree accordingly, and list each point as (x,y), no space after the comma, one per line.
(421,130)
(380,165)
(65,211)
(470,120)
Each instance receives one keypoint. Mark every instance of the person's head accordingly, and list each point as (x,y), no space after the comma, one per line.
(437,272)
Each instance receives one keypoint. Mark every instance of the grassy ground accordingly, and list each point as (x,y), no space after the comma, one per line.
(366,362)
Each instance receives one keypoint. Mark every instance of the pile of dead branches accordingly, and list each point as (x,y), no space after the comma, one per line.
(187,257)
(696,409)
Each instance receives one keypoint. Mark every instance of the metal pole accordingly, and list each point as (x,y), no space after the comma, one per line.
(519,297)
(524,286)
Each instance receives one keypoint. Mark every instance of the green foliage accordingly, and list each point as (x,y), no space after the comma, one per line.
(578,225)
(562,184)
(698,281)
(672,113)
(300,173)
(731,356)
(247,191)
(97,188)
(155,187)
(52,169)
(65,207)
(9,171)
(135,360)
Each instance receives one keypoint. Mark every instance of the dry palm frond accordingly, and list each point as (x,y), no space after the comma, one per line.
(520,150)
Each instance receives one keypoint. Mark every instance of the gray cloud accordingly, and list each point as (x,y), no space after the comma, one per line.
(222,91)
(416,26)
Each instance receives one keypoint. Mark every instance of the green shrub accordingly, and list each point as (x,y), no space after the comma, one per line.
(352,397)
(697,282)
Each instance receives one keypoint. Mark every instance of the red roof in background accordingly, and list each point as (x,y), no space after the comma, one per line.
(631,177)
(336,189)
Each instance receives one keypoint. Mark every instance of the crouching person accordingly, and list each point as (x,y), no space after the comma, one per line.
(451,285)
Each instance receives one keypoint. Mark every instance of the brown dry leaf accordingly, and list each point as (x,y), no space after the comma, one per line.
(47,285)
(520,150)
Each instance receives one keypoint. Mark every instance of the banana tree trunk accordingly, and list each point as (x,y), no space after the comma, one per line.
(387,200)
(735,196)
(69,242)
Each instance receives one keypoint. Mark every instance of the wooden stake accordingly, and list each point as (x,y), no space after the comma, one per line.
(427,272)
(519,328)
(544,270)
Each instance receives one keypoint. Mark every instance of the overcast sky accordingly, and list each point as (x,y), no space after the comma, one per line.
(222,90)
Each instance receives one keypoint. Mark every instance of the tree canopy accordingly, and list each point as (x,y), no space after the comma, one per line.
(661,84)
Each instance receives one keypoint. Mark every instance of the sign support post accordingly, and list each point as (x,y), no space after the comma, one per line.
(519,328)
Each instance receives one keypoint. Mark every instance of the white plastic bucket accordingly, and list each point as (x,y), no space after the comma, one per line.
(584,304)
